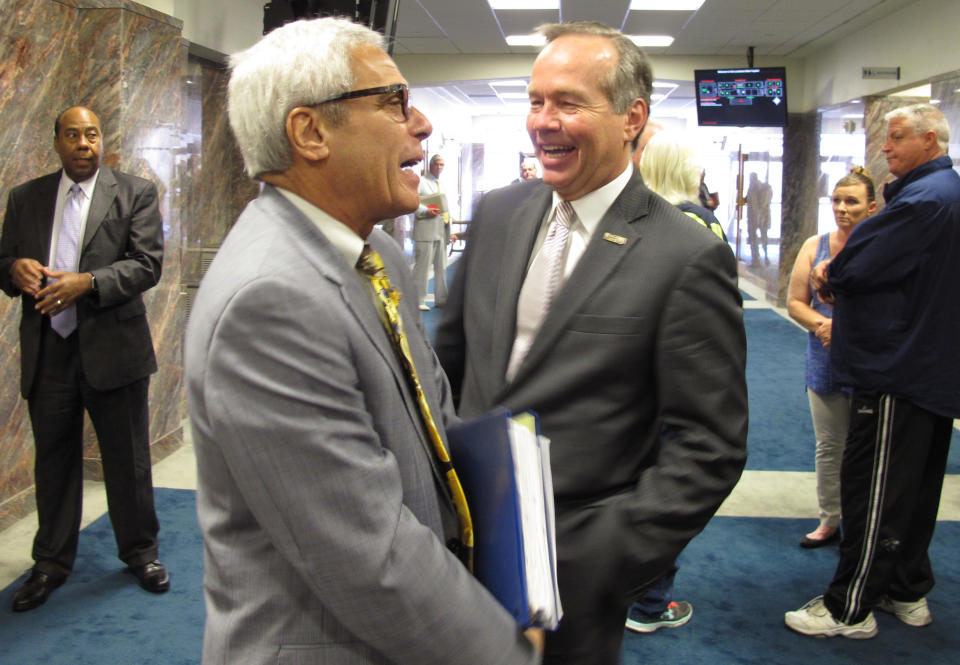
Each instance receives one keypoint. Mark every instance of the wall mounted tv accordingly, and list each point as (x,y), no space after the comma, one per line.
(751,97)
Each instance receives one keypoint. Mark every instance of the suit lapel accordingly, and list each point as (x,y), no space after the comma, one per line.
(599,261)
(103,195)
(521,234)
(330,263)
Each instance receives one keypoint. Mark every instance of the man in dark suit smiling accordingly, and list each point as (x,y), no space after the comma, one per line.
(623,330)
(79,247)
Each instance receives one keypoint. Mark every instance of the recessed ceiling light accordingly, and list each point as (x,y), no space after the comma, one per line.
(526,40)
(524,4)
(664,84)
(513,95)
(510,83)
(651,40)
(665,5)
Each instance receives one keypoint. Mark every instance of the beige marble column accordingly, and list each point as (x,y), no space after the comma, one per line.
(801,171)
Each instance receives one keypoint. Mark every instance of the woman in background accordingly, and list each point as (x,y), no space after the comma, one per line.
(670,168)
(853,201)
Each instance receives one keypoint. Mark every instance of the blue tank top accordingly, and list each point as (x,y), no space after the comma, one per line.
(818,376)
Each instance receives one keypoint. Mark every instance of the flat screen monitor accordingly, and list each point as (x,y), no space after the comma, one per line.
(752,97)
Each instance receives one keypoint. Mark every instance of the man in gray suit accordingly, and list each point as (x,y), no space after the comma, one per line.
(327,524)
(79,247)
(431,232)
(636,368)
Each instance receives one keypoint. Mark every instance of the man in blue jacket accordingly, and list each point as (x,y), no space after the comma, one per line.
(896,322)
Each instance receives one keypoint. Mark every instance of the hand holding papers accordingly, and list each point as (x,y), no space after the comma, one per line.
(504,467)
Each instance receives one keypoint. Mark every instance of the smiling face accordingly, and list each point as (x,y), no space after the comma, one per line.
(579,140)
(78,143)
(851,206)
(905,150)
(372,153)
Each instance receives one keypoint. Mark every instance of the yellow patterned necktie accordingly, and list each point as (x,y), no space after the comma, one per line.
(371,265)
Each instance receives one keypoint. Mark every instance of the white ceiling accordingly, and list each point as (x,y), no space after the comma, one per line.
(782,28)
(777,29)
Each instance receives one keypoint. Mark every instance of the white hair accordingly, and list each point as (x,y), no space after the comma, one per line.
(299,64)
(670,168)
(922,118)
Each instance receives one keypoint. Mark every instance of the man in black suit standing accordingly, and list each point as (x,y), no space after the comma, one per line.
(623,330)
(80,246)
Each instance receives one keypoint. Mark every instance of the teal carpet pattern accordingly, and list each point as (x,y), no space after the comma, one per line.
(781,432)
(740,574)
(101,616)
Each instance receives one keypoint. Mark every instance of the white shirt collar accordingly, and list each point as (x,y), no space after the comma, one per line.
(341,236)
(591,207)
(87,186)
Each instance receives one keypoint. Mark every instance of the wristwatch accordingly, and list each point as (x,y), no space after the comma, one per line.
(93,283)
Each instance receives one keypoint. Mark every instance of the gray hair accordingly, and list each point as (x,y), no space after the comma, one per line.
(631,79)
(670,168)
(923,118)
(299,64)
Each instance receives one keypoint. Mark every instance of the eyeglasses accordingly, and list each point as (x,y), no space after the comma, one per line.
(395,89)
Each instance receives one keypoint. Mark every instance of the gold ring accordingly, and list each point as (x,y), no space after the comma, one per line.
(59,302)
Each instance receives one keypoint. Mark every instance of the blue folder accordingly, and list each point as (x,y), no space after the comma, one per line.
(481,454)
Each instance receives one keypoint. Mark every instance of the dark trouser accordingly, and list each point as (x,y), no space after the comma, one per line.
(892,473)
(594,611)
(120,418)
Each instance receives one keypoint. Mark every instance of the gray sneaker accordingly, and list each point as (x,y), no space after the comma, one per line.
(675,615)
(912,613)
(815,619)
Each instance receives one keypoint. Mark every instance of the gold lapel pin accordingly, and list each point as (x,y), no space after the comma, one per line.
(615,239)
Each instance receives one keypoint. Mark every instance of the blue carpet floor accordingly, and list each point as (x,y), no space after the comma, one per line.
(102,617)
(781,432)
(741,574)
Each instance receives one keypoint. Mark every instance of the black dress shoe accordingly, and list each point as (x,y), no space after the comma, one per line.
(152,576)
(35,590)
(810,543)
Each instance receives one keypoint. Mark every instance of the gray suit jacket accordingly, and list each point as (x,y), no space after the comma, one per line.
(123,248)
(637,374)
(323,512)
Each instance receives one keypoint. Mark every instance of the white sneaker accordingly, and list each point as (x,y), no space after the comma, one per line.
(915,613)
(815,619)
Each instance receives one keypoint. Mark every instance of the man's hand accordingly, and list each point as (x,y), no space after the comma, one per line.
(27,275)
(58,295)
(818,277)
(536,637)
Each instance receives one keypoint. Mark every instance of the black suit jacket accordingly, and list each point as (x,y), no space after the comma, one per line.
(637,373)
(123,248)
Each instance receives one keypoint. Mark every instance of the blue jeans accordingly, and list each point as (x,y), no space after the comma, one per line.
(658,597)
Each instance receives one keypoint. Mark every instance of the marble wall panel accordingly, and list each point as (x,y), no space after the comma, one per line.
(216,188)
(128,64)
